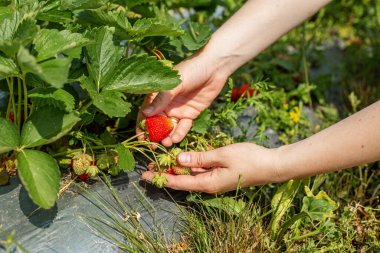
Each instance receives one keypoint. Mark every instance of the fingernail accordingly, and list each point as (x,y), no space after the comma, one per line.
(184,158)
(149,109)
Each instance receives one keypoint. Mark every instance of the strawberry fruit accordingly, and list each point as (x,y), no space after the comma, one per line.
(244,91)
(158,127)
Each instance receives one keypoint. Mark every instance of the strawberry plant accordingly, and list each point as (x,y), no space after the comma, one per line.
(70,73)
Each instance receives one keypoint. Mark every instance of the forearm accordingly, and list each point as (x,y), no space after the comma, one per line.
(353,141)
(253,28)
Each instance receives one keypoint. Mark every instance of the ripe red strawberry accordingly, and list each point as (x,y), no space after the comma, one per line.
(179,170)
(170,171)
(158,127)
(244,91)
(235,94)
(84,177)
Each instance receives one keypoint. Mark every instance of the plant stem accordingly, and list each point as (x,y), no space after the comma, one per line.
(25,97)
(19,102)
(85,107)
(10,100)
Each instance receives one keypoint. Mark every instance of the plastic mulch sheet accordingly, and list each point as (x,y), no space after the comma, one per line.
(65,227)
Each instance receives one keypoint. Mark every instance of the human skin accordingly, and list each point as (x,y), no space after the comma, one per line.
(352,141)
(249,31)
(254,27)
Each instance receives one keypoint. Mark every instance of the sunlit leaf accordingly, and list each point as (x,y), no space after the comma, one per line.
(282,201)
(7,68)
(196,36)
(103,56)
(142,74)
(50,42)
(320,206)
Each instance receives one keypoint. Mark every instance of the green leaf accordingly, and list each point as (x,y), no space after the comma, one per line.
(133,3)
(111,103)
(5,12)
(55,15)
(57,98)
(9,136)
(148,27)
(82,4)
(126,161)
(49,42)
(281,202)
(28,62)
(39,173)
(15,32)
(47,125)
(320,206)
(97,17)
(56,71)
(26,31)
(142,74)
(230,205)
(202,123)
(103,56)
(8,27)
(7,68)
(196,36)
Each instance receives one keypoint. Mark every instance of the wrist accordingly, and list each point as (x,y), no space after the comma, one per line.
(281,174)
(219,62)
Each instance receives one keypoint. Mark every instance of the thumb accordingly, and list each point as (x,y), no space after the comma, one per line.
(159,104)
(211,158)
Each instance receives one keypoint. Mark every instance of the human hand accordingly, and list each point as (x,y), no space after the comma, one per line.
(201,83)
(224,169)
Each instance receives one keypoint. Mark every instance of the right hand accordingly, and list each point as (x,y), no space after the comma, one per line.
(201,83)
(224,169)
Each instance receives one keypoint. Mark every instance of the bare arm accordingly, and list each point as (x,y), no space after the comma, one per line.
(250,30)
(254,27)
(353,141)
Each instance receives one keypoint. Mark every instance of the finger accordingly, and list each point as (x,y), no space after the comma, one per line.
(159,104)
(212,158)
(199,170)
(199,182)
(140,136)
(167,142)
(183,127)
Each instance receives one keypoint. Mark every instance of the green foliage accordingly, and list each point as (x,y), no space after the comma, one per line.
(40,175)
(196,36)
(126,161)
(9,136)
(232,206)
(58,98)
(47,125)
(140,74)
(50,42)
(281,202)
(72,63)
(7,68)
